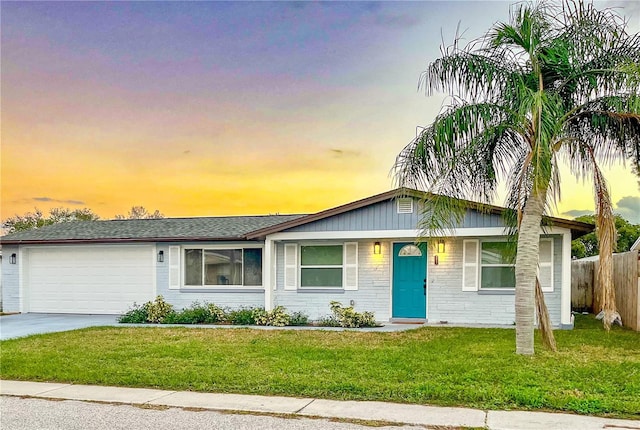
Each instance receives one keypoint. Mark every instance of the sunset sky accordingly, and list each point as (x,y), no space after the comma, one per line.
(212,108)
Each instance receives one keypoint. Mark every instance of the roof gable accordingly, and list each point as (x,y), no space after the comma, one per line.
(478,215)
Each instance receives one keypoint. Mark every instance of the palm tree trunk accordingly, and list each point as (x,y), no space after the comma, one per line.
(527,270)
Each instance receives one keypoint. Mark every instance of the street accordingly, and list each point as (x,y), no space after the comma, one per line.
(18,413)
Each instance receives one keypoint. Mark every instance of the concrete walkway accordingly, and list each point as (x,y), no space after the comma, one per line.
(429,416)
(20,325)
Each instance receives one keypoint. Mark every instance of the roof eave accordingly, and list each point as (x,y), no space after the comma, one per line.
(123,240)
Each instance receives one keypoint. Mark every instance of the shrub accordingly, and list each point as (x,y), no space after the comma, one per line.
(348,317)
(277,317)
(328,321)
(158,310)
(136,314)
(298,318)
(195,314)
(242,316)
(216,313)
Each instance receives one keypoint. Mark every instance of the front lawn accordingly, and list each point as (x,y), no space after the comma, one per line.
(595,372)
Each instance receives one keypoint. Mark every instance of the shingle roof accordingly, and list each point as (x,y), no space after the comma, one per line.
(205,228)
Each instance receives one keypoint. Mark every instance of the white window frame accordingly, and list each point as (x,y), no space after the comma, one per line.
(204,248)
(321,266)
(481,265)
(402,207)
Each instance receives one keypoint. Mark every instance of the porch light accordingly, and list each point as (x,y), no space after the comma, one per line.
(160,256)
(377,249)
(13,258)
(441,246)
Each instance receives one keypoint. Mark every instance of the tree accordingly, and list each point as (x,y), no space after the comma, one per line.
(36,219)
(587,245)
(140,212)
(557,81)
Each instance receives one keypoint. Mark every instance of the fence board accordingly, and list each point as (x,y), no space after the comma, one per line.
(582,285)
(626,279)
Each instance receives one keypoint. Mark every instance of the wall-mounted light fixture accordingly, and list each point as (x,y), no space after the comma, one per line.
(441,246)
(13,258)
(377,249)
(160,256)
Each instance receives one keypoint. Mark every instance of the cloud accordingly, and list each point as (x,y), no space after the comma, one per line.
(401,21)
(629,208)
(577,212)
(50,200)
(344,153)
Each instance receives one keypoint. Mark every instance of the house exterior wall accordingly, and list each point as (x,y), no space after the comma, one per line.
(445,299)
(447,302)
(10,279)
(372,294)
(184,297)
(384,216)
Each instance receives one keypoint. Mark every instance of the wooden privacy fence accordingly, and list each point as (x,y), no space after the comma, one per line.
(585,288)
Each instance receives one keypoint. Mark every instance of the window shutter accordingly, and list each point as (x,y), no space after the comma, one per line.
(290,266)
(545,265)
(470,251)
(174,267)
(350,266)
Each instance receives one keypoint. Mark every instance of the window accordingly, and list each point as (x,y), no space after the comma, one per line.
(409,251)
(497,266)
(218,267)
(321,266)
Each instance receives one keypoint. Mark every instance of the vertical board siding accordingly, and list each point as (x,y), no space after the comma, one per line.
(10,280)
(384,216)
(372,294)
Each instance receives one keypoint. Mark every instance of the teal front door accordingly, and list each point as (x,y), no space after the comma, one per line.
(409,281)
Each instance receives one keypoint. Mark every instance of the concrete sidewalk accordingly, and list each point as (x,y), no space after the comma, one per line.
(429,416)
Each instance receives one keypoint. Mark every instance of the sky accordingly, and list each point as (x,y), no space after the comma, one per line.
(228,108)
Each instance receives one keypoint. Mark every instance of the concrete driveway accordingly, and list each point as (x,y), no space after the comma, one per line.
(20,325)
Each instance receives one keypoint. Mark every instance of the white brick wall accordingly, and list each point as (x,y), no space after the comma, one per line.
(447,302)
(372,294)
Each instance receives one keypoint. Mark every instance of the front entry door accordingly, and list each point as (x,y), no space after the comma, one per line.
(409,281)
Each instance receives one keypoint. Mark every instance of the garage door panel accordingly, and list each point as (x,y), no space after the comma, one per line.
(83,279)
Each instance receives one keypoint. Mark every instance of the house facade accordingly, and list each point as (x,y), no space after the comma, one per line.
(364,254)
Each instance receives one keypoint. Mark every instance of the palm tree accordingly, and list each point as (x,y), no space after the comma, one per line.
(557,83)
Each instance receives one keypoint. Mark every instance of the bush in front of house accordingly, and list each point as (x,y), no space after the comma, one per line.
(161,312)
(242,316)
(137,314)
(158,310)
(277,317)
(348,317)
(298,318)
(328,321)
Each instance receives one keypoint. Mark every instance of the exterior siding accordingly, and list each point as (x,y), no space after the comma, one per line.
(384,216)
(10,280)
(447,302)
(372,294)
(184,298)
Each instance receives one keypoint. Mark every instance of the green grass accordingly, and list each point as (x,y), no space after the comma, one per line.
(593,373)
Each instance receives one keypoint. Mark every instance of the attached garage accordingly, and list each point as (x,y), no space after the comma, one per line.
(98,279)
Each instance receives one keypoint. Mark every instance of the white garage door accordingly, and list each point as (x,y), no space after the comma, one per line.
(88,279)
